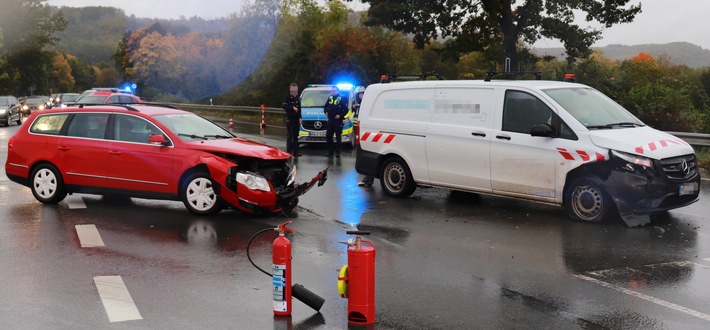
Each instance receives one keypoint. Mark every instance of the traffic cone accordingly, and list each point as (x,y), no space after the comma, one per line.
(231,123)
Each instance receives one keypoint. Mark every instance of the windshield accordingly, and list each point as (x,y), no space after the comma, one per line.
(4,101)
(592,108)
(314,98)
(190,127)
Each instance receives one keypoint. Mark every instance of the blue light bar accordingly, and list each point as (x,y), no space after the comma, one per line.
(345,86)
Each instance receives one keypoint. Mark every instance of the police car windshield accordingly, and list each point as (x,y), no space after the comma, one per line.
(314,97)
(190,127)
(593,109)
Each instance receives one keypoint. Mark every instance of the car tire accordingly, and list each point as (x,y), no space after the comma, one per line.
(47,184)
(199,196)
(396,179)
(586,201)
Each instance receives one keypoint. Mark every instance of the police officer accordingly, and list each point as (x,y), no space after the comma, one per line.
(335,109)
(292,106)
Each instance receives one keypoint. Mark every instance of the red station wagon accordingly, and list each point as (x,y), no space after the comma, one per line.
(151,151)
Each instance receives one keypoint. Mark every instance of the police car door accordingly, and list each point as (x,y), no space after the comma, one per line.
(458,138)
(523,165)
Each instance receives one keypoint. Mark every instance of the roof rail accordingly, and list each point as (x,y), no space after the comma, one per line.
(387,78)
(512,75)
(125,106)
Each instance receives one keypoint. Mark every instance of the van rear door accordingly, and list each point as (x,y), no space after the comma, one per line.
(458,138)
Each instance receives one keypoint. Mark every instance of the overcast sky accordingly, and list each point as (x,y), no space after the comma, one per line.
(661,21)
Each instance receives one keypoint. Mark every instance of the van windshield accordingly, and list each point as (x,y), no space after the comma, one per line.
(593,109)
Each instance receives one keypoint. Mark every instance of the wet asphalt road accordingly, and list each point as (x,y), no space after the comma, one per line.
(445,260)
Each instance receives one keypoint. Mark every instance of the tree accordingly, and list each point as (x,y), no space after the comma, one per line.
(500,24)
(61,78)
(27,27)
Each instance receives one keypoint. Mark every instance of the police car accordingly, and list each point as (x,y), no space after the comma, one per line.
(553,142)
(314,121)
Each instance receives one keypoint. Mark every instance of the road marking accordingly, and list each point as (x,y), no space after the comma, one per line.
(707,259)
(75,202)
(116,299)
(89,236)
(648,298)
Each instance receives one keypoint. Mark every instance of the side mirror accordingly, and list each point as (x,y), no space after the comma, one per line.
(542,130)
(157,139)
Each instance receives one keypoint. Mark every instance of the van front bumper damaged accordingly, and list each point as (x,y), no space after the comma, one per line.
(638,196)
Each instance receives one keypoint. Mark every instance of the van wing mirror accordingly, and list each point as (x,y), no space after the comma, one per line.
(543,130)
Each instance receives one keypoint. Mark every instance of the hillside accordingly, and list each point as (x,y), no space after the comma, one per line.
(685,53)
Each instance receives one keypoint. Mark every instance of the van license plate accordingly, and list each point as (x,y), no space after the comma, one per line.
(318,134)
(687,188)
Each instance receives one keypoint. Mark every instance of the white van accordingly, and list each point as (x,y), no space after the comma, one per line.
(557,143)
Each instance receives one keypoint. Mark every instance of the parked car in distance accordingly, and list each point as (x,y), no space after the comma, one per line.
(106,89)
(64,99)
(151,151)
(32,103)
(108,97)
(10,111)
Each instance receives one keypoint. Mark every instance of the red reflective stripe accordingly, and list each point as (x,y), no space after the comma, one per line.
(600,157)
(565,154)
(639,150)
(664,143)
(583,154)
(365,136)
(377,137)
(389,138)
(652,146)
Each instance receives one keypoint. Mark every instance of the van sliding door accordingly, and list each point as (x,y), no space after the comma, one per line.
(458,138)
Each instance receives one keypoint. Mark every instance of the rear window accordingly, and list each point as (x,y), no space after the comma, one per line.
(92,99)
(49,124)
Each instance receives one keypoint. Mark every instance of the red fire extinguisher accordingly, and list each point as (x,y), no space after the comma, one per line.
(356,280)
(282,290)
(281,271)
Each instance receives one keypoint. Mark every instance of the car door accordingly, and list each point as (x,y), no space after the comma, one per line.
(523,165)
(133,163)
(458,138)
(82,150)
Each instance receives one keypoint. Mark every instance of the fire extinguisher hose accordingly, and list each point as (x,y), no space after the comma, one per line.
(249,244)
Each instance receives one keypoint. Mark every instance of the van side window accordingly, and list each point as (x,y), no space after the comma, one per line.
(88,125)
(522,111)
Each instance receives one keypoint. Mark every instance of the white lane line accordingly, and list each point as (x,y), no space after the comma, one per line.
(116,299)
(89,236)
(707,259)
(75,202)
(648,298)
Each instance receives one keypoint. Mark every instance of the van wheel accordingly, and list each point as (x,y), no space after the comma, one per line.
(396,179)
(47,185)
(199,196)
(586,201)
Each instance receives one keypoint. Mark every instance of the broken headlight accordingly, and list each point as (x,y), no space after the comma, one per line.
(253,181)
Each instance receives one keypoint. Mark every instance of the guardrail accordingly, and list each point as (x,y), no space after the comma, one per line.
(695,139)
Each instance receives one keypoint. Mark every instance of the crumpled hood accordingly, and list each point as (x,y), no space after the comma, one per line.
(644,141)
(315,113)
(240,147)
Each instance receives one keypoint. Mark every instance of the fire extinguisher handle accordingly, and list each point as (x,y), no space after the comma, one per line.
(282,227)
(357,232)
